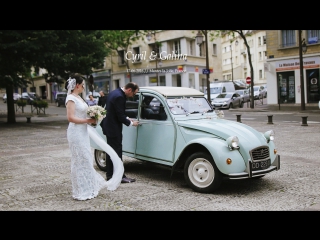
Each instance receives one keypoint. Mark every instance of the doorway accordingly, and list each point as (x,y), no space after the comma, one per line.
(286,87)
(313,89)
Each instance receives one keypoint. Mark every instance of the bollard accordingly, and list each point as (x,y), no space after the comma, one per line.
(270,119)
(28,119)
(304,121)
(238,118)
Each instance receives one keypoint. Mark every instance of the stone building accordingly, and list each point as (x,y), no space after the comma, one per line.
(283,66)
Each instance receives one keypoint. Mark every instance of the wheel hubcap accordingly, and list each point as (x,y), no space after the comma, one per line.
(201,172)
(101,158)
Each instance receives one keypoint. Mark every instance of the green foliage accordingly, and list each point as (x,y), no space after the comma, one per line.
(21,102)
(60,52)
(40,104)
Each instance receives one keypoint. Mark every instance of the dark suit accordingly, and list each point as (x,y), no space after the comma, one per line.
(112,124)
(102,100)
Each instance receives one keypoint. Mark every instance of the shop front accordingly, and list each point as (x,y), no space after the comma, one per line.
(288,80)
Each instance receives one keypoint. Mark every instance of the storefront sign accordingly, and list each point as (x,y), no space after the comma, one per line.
(293,64)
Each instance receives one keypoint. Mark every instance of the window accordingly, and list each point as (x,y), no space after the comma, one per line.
(136,52)
(259,41)
(214,49)
(313,36)
(202,50)
(191,47)
(260,56)
(176,47)
(260,74)
(121,57)
(288,38)
(264,40)
(155,48)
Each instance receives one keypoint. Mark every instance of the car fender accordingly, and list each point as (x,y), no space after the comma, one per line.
(220,153)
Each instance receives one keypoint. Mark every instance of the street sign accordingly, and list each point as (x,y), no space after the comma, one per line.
(205,71)
(248,80)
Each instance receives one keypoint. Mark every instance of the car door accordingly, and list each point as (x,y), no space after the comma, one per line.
(129,139)
(156,132)
(236,100)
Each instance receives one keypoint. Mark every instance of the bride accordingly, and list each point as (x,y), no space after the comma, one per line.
(86,181)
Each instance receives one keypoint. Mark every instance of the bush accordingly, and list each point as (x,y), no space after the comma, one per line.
(21,102)
(40,104)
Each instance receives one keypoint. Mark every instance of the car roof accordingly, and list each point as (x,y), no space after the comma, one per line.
(174,91)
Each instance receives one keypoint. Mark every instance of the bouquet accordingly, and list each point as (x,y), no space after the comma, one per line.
(219,113)
(96,112)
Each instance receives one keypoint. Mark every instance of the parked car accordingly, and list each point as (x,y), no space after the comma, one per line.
(218,87)
(238,84)
(244,93)
(263,90)
(228,100)
(30,97)
(187,135)
(16,96)
(256,92)
(61,99)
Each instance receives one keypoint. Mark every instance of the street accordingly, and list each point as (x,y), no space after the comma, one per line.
(35,171)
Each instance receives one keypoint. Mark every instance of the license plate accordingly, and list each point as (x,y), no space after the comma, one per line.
(261,165)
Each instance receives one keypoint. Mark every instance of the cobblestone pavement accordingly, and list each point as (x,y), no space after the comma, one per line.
(35,171)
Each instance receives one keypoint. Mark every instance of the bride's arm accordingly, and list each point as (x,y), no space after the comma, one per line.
(71,106)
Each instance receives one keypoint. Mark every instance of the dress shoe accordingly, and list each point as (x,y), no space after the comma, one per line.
(127,180)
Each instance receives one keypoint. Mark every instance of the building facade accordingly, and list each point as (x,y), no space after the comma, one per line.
(283,66)
(235,61)
(181,61)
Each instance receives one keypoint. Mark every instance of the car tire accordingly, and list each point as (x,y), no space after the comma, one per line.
(230,106)
(100,158)
(201,173)
(57,104)
(241,104)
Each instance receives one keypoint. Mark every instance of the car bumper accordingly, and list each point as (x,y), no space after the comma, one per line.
(219,105)
(250,174)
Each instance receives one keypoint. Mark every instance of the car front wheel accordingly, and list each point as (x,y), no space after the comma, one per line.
(201,173)
(100,158)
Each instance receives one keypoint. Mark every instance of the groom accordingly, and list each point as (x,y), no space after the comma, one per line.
(112,124)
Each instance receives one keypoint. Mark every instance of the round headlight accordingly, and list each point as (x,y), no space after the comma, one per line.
(233,142)
(269,135)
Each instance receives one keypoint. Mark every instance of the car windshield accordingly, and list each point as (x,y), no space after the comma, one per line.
(225,95)
(255,88)
(188,105)
(214,90)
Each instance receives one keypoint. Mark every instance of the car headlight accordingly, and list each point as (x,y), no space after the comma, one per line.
(31,99)
(269,135)
(233,142)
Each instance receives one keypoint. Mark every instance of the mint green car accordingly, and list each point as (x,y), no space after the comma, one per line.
(179,128)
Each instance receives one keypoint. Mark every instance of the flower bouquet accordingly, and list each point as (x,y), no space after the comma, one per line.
(220,113)
(96,112)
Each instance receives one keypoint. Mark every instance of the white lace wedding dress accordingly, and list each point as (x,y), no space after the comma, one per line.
(86,181)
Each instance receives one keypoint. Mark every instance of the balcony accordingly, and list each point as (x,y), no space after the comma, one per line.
(243,51)
(244,65)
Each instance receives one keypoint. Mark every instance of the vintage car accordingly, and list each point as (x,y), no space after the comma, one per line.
(179,128)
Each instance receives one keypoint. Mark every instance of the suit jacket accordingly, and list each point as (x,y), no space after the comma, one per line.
(116,105)
(102,101)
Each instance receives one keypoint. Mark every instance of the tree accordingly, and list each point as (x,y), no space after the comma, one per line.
(243,34)
(120,40)
(60,52)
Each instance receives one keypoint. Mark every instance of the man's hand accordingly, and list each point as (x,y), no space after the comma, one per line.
(135,123)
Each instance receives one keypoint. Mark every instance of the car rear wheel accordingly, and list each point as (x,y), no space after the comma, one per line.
(201,173)
(100,158)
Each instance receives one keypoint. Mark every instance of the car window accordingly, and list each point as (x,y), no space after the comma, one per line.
(188,105)
(152,108)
